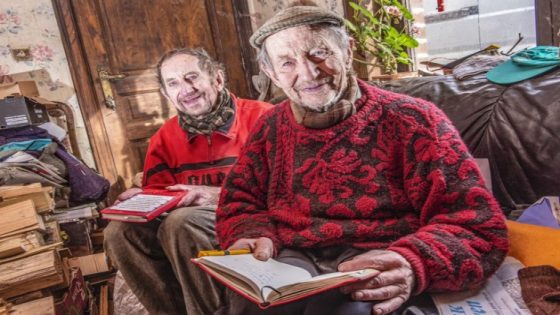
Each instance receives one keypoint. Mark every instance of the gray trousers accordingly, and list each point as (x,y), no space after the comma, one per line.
(154,259)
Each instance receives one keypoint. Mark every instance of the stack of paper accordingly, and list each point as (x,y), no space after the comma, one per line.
(25,162)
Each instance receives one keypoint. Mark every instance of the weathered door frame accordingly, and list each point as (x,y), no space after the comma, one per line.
(547,15)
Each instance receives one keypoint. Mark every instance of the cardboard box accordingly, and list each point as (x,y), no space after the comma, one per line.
(23,88)
(18,111)
(90,264)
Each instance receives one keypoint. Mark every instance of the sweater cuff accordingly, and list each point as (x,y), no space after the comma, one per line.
(421,282)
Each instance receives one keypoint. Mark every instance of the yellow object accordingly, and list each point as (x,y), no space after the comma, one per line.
(534,245)
(223,252)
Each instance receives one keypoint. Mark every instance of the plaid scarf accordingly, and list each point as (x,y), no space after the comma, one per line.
(337,113)
(214,120)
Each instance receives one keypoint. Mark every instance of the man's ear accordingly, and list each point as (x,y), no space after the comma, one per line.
(220,80)
(164,93)
(350,53)
(269,73)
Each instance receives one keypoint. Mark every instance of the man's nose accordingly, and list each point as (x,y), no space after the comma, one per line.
(186,88)
(308,70)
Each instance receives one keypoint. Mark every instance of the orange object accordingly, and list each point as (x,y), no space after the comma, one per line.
(226,252)
(534,245)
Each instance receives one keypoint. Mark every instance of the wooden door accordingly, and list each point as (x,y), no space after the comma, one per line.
(127,37)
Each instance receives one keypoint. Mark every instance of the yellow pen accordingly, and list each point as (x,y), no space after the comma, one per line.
(226,252)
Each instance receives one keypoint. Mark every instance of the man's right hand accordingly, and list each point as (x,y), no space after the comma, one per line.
(262,247)
(129,193)
(197,195)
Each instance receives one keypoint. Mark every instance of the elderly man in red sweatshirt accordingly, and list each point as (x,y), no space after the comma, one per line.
(192,151)
(345,176)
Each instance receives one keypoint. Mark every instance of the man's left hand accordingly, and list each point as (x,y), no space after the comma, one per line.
(392,286)
(197,195)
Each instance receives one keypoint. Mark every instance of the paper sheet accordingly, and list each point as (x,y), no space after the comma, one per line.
(500,296)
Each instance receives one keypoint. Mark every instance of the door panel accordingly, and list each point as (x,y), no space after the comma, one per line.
(128,37)
(139,30)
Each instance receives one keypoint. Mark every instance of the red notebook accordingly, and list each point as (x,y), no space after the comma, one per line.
(144,206)
(270,283)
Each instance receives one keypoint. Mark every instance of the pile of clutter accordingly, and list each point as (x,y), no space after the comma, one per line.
(51,256)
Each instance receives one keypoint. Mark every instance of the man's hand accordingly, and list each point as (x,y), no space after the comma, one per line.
(129,193)
(197,195)
(262,247)
(392,286)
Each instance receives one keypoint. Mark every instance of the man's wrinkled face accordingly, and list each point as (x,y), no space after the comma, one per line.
(192,90)
(309,65)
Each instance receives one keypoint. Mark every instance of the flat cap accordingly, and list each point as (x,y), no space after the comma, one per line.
(292,17)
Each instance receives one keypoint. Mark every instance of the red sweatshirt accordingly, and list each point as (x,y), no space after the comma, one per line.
(395,176)
(174,158)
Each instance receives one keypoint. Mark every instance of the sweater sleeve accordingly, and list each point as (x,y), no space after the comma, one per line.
(157,173)
(462,238)
(242,210)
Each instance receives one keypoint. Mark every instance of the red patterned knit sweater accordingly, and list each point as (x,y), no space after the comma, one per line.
(395,175)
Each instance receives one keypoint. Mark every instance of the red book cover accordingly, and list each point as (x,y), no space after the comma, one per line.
(144,206)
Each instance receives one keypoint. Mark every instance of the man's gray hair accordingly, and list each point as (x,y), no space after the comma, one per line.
(205,61)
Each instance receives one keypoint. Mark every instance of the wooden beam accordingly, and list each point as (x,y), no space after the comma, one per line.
(11,248)
(229,51)
(547,14)
(25,241)
(19,216)
(248,53)
(555,23)
(43,306)
(89,104)
(18,190)
(43,199)
(104,300)
(30,274)
(90,264)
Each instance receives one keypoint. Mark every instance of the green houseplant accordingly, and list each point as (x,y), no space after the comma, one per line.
(383,33)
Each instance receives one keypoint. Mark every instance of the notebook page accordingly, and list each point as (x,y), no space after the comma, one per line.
(142,203)
(262,273)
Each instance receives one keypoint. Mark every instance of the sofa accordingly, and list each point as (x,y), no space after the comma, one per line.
(516,127)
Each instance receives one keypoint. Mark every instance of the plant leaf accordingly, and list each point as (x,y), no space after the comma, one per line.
(364,12)
(377,38)
(384,48)
(406,14)
(351,26)
(408,41)
(402,60)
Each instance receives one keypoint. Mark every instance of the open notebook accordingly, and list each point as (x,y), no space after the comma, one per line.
(269,283)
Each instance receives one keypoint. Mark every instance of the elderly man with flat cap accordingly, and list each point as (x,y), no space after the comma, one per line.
(345,176)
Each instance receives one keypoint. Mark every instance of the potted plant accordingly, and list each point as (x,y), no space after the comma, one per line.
(382,33)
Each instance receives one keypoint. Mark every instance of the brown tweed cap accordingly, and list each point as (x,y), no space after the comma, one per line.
(292,17)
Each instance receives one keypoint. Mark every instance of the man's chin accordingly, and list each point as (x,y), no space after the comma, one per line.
(315,108)
(194,113)
(319,107)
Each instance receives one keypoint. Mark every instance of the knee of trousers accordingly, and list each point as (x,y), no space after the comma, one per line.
(117,238)
(188,223)
(113,234)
